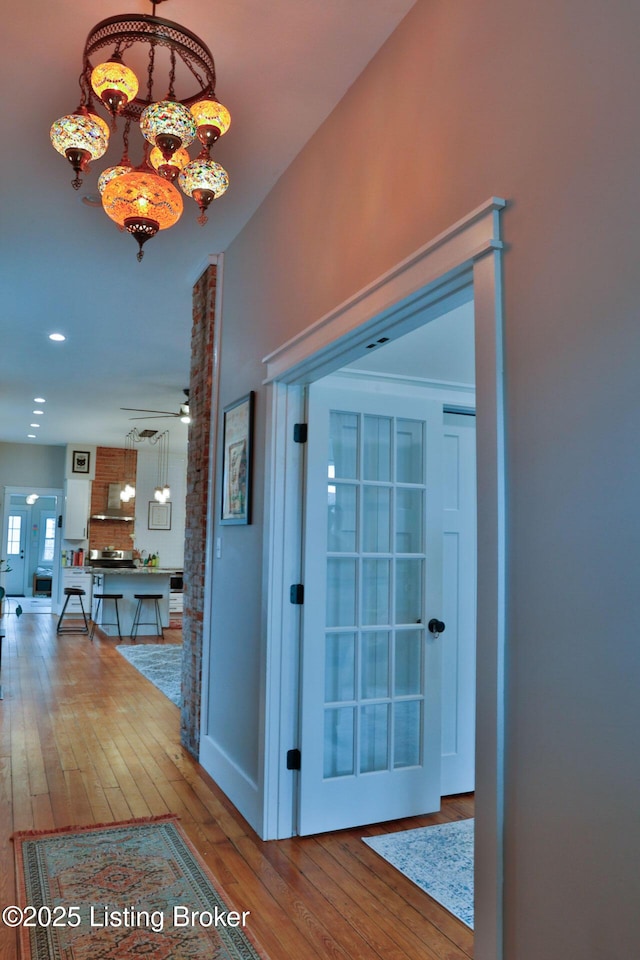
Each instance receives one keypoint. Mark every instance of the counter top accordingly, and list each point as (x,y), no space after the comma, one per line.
(135,571)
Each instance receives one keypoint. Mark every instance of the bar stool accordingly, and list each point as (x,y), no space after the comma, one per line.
(141,597)
(100,597)
(73,592)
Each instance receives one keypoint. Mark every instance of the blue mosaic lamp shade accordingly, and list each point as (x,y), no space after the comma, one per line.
(107,176)
(204,174)
(168,120)
(80,131)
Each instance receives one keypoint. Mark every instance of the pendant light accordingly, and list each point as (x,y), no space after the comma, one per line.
(80,137)
(142,203)
(141,198)
(114,83)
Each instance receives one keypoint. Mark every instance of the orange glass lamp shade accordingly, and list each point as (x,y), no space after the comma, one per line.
(169,170)
(212,121)
(142,203)
(114,83)
(204,180)
(107,176)
(80,137)
(168,126)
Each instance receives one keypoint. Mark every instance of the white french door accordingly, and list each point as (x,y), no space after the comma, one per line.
(371,669)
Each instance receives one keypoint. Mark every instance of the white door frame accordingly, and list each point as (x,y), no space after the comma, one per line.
(42,492)
(463,261)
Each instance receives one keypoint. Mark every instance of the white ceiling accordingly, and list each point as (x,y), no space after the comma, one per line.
(282,66)
(443,349)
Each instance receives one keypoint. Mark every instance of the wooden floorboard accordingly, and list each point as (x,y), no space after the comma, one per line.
(84,738)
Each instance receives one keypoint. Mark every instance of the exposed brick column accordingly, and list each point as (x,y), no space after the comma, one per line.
(200,387)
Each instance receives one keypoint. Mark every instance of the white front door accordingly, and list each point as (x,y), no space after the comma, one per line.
(15,547)
(371,669)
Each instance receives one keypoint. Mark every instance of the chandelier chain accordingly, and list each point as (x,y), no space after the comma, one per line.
(125,143)
(198,77)
(172,77)
(152,57)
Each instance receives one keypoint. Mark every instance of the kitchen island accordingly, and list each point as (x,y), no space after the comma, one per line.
(128,582)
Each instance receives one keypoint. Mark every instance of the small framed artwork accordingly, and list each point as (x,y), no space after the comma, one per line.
(237,441)
(80,462)
(159,515)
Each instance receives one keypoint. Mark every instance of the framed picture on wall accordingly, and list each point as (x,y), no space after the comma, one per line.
(80,461)
(237,442)
(159,515)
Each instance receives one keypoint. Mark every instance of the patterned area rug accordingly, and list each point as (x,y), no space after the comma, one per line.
(438,859)
(121,891)
(161,663)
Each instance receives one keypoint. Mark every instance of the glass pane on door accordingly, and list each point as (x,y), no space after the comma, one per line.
(341,592)
(342,511)
(339,743)
(374,670)
(14,535)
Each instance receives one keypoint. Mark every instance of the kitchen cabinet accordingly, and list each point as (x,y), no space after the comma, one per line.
(77,577)
(76,509)
(175,602)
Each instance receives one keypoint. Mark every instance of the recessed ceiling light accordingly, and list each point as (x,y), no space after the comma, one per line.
(58,337)
(34,424)
(31,436)
(39,400)
(38,413)
(92,200)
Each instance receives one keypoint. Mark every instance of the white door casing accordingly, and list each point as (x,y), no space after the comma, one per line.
(466,257)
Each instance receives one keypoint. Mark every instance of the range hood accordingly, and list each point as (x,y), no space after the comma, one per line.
(114,509)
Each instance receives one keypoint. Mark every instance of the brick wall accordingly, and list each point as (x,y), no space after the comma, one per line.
(110,468)
(204,293)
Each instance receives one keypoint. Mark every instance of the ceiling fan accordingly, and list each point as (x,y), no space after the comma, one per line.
(183,412)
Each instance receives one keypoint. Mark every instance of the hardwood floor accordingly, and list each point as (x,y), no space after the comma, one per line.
(84,738)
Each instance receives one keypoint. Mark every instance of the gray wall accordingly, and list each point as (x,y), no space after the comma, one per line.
(536,103)
(23,465)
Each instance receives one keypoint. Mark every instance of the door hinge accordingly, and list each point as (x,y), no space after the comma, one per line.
(300,432)
(296,593)
(293,759)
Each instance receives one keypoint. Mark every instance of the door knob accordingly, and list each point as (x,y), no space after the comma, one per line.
(436,627)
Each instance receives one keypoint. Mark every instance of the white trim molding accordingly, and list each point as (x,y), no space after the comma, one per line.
(460,264)
(421,282)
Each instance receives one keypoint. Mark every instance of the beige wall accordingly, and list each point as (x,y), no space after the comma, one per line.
(536,103)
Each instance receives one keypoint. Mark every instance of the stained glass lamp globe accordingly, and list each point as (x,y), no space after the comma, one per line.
(115,84)
(204,180)
(212,121)
(169,170)
(168,126)
(107,175)
(142,203)
(80,137)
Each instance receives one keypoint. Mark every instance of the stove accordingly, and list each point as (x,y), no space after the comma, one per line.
(112,559)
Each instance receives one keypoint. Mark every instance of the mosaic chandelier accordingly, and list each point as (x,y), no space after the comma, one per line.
(144,199)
